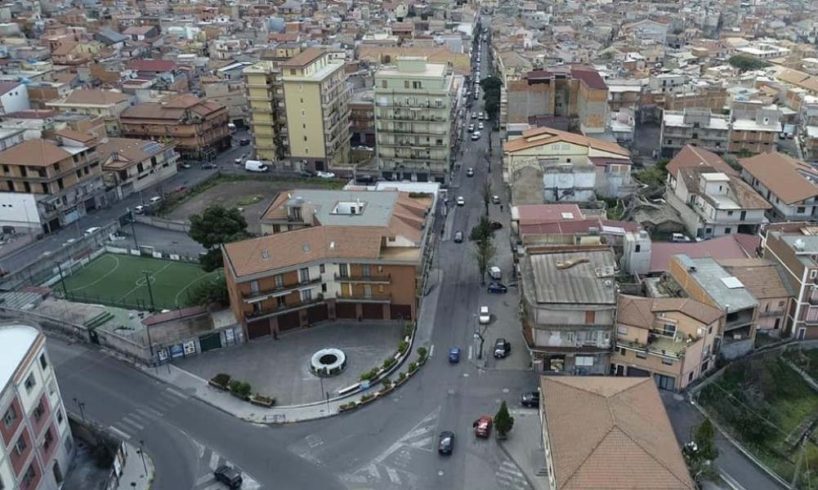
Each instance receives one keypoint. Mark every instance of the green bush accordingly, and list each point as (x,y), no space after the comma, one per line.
(222,380)
(408,329)
(413,366)
(389,362)
(402,346)
(422,352)
(387,383)
(367,397)
(401,376)
(369,375)
(240,388)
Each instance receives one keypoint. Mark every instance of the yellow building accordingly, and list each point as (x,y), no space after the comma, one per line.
(265,96)
(316,98)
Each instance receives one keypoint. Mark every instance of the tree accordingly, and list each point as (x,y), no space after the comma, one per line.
(503,421)
(209,292)
(705,439)
(491,95)
(481,230)
(487,195)
(216,226)
(746,62)
(484,251)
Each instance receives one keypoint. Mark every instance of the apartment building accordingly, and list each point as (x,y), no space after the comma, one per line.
(362,119)
(672,340)
(576,93)
(786,183)
(767,281)
(354,255)
(794,246)
(704,280)
(754,128)
(63,176)
(414,111)
(107,104)
(316,97)
(197,127)
(569,302)
(228,93)
(697,127)
(36,446)
(606,432)
(131,165)
(268,121)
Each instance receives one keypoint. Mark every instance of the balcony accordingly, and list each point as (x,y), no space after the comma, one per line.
(658,345)
(262,294)
(368,279)
(364,298)
(813,299)
(284,308)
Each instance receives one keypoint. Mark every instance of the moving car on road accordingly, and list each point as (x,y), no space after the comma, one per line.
(479,125)
(482,426)
(475,136)
(495,199)
(470,172)
(458,237)
(530,399)
(454,355)
(445,442)
(496,287)
(471,128)
(229,476)
(501,348)
(485,316)
(460,201)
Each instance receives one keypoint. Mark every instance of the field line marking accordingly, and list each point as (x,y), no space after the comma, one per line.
(100,279)
(208,275)
(142,286)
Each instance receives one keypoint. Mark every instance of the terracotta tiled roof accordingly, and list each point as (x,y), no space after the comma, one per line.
(304,58)
(611,432)
(780,174)
(36,153)
(763,278)
(543,136)
(725,247)
(640,311)
(156,66)
(95,97)
(692,156)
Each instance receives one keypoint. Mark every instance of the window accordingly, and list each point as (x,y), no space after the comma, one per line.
(383,83)
(304,275)
(729,213)
(669,329)
(667,362)
(29,476)
(279,280)
(622,351)
(365,270)
(9,417)
(584,361)
(60,417)
(405,83)
(30,382)
(306,295)
(343,270)
(690,377)
(800,210)
(254,286)
(20,446)
(638,248)
(417,85)
(622,329)
(38,411)
(48,439)
(727,230)
(321,268)
(590,316)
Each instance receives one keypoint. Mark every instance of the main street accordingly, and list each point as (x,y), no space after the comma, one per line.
(390,444)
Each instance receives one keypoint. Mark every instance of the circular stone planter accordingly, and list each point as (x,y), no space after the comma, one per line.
(328,362)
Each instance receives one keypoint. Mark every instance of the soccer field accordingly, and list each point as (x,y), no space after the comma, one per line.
(119,280)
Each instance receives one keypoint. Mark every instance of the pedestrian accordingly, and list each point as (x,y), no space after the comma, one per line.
(501,208)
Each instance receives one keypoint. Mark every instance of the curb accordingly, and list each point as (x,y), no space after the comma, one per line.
(502,447)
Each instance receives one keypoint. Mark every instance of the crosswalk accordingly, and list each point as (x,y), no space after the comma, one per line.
(509,476)
(131,424)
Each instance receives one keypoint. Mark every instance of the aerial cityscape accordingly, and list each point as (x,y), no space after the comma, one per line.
(409,244)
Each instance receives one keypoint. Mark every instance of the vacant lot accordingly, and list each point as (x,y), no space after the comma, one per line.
(806,360)
(121,280)
(768,407)
(253,196)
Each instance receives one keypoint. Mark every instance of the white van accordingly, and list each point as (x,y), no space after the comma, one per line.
(255,166)
(495,273)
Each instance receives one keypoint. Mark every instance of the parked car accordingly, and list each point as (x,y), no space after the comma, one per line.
(471,128)
(255,166)
(238,161)
(482,426)
(92,230)
(496,225)
(460,201)
(495,199)
(496,287)
(209,165)
(454,355)
(139,209)
(244,141)
(154,200)
(229,476)
(530,399)
(326,175)
(495,273)
(469,172)
(185,165)
(485,316)
(458,237)
(474,115)
(445,442)
(502,348)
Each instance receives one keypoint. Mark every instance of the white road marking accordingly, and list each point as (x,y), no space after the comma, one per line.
(313,441)
(163,404)
(173,391)
(470,351)
(432,350)
(415,431)
(465,375)
(214,460)
(423,444)
(129,421)
(393,476)
(149,412)
(119,432)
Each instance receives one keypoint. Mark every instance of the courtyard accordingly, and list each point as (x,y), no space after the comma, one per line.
(280,368)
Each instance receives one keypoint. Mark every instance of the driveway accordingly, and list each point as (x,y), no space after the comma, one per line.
(280,368)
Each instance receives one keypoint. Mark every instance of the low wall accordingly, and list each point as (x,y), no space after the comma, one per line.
(165,224)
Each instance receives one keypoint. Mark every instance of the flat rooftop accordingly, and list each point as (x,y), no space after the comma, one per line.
(725,289)
(576,277)
(15,342)
(376,207)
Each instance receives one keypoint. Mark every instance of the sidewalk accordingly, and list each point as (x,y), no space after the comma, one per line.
(524,447)
(136,475)
(194,385)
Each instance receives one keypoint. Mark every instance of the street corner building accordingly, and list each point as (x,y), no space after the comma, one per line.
(329,255)
(608,432)
(35,439)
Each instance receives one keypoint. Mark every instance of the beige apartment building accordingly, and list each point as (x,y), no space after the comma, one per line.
(268,121)
(413,120)
(107,104)
(316,97)
(672,340)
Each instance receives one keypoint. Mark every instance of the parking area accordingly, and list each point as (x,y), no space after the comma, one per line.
(280,368)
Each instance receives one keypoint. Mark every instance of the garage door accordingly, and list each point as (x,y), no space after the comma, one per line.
(317,314)
(372,311)
(210,341)
(345,310)
(288,321)
(258,329)
(400,312)
(641,373)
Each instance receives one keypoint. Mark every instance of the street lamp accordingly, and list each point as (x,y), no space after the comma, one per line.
(141,452)
(81,405)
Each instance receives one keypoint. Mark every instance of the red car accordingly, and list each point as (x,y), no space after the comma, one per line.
(482,426)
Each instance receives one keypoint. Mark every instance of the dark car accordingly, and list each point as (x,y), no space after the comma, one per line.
(530,399)
(496,225)
(229,476)
(454,355)
(244,141)
(445,443)
(458,237)
(501,348)
(209,165)
(496,287)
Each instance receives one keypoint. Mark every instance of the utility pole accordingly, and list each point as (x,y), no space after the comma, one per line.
(133,231)
(62,281)
(142,454)
(81,405)
(150,291)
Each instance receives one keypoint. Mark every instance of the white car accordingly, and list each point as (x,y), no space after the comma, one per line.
(326,175)
(485,317)
(475,136)
(154,200)
(479,125)
(92,230)
(460,201)
(471,128)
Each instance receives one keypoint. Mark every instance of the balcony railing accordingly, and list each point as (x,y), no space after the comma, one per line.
(279,289)
(364,298)
(368,279)
(284,308)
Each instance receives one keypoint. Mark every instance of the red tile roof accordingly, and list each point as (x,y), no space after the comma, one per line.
(590,76)
(726,247)
(529,214)
(156,66)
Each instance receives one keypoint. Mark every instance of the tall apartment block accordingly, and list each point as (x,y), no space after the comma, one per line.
(316,97)
(35,439)
(413,120)
(265,96)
